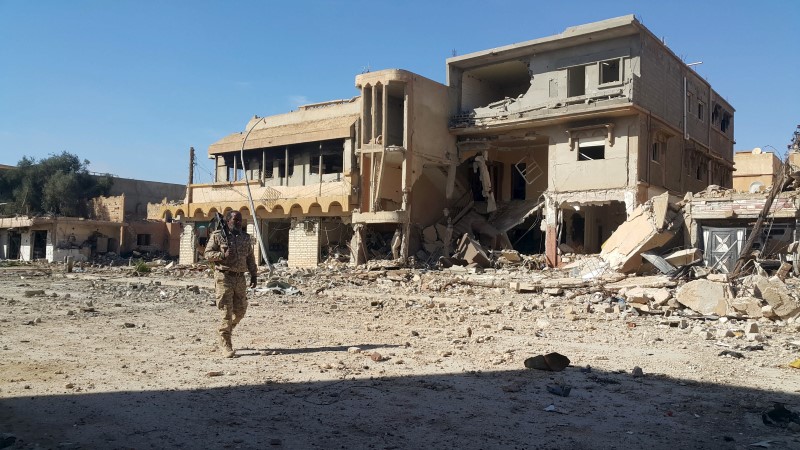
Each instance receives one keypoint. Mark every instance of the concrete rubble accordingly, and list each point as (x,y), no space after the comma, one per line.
(649,226)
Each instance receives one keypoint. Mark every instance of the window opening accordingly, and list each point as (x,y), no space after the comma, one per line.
(268,168)
(331,163)
(656,153)
(576,81)
(143,239)
(701,107)
(610,71)
(367,125)
(715,113)
(282,167)
(725,123)
(591,149)
(518,182)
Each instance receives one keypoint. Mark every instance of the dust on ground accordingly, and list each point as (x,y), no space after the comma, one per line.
(382,359)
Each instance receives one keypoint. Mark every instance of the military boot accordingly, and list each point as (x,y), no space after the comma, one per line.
(226,346)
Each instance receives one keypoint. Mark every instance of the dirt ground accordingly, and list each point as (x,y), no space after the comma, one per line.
(392,360)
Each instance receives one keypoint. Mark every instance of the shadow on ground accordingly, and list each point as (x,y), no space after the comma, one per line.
(507,409)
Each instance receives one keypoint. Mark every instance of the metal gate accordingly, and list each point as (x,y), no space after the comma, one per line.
(722,247)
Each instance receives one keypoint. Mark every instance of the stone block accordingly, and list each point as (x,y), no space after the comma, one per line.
(778,296)
(684,257)
(705,297)
(748,306)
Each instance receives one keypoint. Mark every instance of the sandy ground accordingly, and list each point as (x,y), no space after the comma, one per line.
(102,360)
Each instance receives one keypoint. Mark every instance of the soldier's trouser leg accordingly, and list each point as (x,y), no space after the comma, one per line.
(231,301)
(239,305)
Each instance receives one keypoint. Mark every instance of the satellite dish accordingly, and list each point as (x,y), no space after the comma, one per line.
(755,187)
(757,151)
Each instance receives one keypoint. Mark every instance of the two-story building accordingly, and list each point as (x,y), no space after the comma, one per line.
(326,175)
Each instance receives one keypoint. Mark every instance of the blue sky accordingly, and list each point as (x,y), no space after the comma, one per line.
(130,85)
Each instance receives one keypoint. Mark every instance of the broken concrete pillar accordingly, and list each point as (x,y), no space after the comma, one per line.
(357,248)
(705,297)
(486,181)
(397,239)
(551,246)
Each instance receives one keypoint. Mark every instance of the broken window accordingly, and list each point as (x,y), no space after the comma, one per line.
(610,71)
(725,123)
(332,163)
(715,114)
(576,81)
(656,152)
(268,168)
(282,167)
(590,149)
(700,170)
(143,239)
(518,182)
(701,110)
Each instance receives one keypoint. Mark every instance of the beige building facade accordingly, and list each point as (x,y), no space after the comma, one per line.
(755,170)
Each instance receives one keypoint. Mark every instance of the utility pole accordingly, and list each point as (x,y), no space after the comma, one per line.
(191,176)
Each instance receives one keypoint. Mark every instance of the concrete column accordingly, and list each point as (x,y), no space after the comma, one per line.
(188,247)
(551,233)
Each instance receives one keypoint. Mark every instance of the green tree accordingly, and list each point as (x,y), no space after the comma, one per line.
(59,184)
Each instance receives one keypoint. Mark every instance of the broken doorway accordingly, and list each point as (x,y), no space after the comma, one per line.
(39,238)
(14,244)
(585,227)
(277,233)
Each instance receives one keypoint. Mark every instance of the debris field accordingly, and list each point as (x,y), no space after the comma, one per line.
(387,357)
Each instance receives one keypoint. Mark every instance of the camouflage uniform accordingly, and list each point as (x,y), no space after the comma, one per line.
(229,278)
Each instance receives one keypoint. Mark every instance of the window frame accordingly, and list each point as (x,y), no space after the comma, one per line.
(620,73)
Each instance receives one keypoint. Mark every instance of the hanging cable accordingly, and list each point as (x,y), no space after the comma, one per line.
(250,199)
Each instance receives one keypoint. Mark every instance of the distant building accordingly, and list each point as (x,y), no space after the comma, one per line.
(116,224)
(755,170)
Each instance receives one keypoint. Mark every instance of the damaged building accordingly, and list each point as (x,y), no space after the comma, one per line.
(539,146)
(593,122)
(335,177)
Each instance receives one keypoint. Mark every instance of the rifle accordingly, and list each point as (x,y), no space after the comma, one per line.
(224,230)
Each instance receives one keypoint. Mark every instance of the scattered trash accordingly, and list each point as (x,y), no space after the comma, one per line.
(215,374)
(795,364)
(280,288)
(561,390)
(554,362)
(752,348)
(731,354)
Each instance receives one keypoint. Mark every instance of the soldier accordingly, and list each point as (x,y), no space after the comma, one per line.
(233,256)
